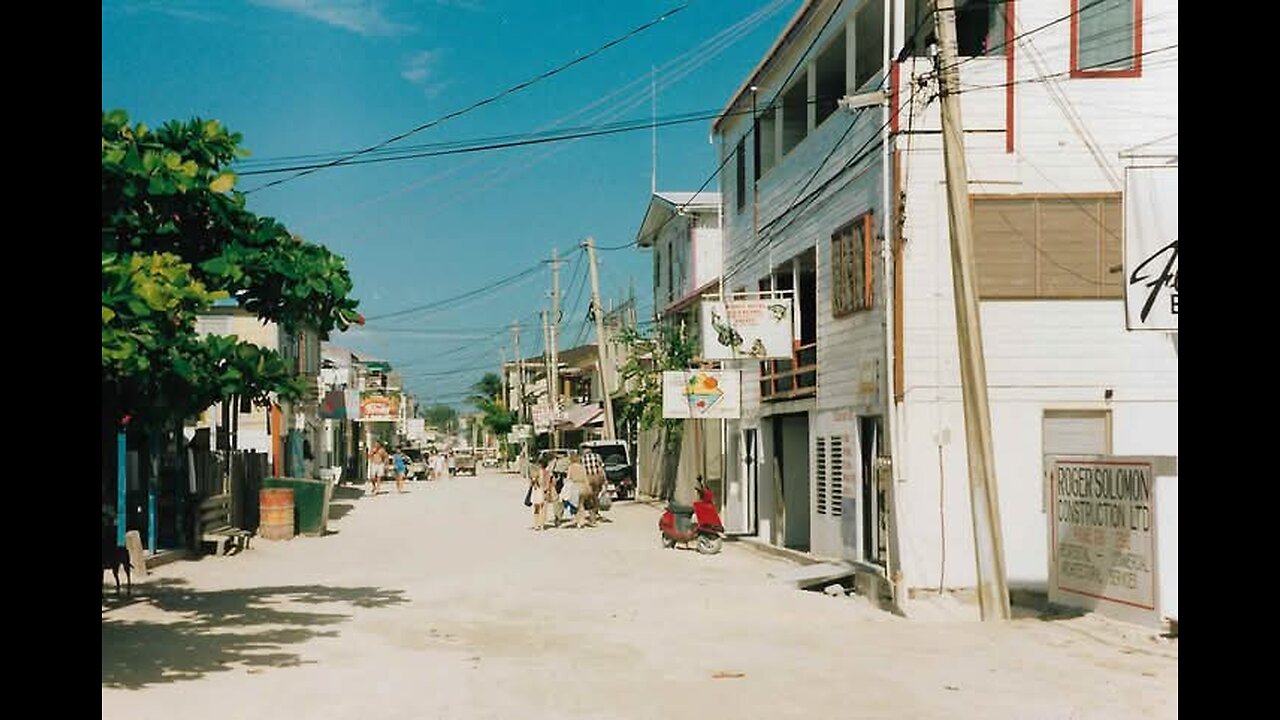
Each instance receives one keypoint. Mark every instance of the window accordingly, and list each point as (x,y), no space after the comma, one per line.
(657,269)
(1048,246)
(830,76)
(1106,38)
(764,138)
(740,154)
(795,115)
(869,42)
(851,267)
(671,282)
(979,27)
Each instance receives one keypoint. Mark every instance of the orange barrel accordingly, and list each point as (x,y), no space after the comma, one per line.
(275,506)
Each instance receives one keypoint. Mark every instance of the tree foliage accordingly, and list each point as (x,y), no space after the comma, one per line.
(487,398)
(652,351)
(176,237)
(441,416)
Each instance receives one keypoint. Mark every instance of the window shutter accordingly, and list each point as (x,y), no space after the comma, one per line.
(1112,249)
(835,470)
(820,475)
(1070,241)
(1004,234)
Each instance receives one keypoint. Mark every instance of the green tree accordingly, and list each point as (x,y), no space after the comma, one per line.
(650,353)
(176,237)
(487,398)
(443,417)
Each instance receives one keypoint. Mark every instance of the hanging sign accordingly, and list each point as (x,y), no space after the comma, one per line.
(1151,248)
(709,394)
(747,328)
(379,406)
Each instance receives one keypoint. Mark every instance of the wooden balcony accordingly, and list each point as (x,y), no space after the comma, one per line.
(791,379)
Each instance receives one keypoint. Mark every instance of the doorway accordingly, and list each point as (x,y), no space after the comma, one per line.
(742,504)
(791,479)
(875,516)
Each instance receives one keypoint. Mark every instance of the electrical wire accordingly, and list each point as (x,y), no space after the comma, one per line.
(672,71)
(491,99)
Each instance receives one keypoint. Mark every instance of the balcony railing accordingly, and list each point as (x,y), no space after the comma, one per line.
(790,379)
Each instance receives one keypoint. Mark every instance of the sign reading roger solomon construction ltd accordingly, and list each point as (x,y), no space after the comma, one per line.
(1103,533)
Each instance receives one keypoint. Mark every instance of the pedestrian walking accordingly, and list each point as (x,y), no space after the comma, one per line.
(400,465)
(594,466)
(538,495)
(581,484)
(377,466)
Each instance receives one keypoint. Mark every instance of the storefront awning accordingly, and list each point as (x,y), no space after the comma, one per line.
(577,417)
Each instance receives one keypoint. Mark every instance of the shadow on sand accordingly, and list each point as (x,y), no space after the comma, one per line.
(215,631)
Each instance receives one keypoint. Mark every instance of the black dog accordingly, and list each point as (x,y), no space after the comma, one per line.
(113,557)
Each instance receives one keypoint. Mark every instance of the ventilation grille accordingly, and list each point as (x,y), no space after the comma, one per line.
(836,480)
(821,475)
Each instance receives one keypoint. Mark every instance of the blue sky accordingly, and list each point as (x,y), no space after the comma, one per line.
(304,77)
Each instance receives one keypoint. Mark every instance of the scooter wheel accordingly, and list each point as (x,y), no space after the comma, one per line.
(668,543)
(710,544)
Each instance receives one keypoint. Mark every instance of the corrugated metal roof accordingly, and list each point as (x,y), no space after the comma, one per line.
(663,205)
(704,198)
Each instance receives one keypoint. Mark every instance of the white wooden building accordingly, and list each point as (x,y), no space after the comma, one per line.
(855,447)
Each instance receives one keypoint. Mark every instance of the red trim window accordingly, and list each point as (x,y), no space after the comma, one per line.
(1106,38)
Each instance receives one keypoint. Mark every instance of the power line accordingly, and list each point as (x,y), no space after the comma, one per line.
(634,126)
(672,71)
(1064,73)
(480,103)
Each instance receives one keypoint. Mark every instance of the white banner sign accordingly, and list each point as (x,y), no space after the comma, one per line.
(747,329)
(1103,534)
(1151,248)
(522,432)
(702,394)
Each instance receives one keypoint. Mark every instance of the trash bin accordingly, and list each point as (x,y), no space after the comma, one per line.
(310,500)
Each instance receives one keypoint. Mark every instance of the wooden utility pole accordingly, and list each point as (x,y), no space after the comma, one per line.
(993,592)
(555,351)
(602,345)
(515,331)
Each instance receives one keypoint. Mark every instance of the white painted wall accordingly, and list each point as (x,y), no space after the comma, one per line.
(1040,355)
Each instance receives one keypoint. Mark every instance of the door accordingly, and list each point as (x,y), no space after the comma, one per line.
(874,518)
(741,508)
(791,455)
(1073,432)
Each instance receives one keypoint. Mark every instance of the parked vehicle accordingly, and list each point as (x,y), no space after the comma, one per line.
(700,523)
(417,466)
(464,462)
(619,471)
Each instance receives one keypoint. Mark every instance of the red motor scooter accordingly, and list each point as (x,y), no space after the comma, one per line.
(700,523)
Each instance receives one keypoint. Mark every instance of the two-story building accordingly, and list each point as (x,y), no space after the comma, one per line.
(854,448)
(683,232)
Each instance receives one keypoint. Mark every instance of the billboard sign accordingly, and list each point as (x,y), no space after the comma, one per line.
(1102,545)
(747,328)
(710,394)
(379,406)
(1151,248)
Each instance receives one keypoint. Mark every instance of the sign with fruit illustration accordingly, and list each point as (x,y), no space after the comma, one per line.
(710,394)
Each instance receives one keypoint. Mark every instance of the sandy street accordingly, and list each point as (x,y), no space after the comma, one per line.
(442,603)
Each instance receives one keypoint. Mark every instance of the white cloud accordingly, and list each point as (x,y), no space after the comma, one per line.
(364,17)
(173,8)
(421,71)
